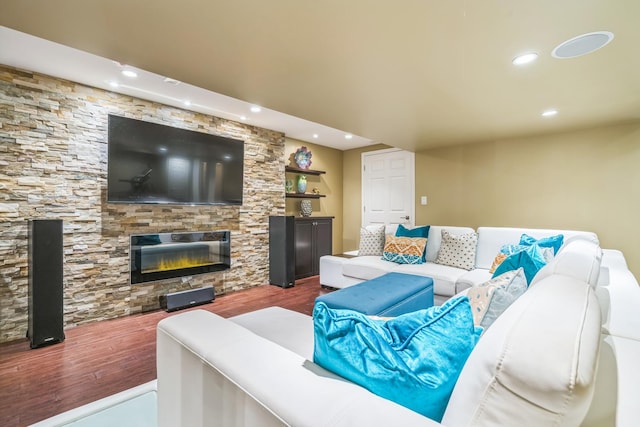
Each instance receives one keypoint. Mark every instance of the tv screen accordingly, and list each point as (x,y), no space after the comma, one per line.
(152,163)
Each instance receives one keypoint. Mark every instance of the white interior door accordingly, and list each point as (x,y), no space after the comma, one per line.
(388,187)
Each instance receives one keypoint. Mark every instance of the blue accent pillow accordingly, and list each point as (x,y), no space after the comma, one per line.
(422,231)
(531,260)
(554,242)
(414,359)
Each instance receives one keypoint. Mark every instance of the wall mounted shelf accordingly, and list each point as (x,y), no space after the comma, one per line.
(303,171)
(304,195)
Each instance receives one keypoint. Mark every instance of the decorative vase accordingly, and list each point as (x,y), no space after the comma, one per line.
(305,207)
(288,186)
(302,184)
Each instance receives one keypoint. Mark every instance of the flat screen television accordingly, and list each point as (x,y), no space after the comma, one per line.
(153,163)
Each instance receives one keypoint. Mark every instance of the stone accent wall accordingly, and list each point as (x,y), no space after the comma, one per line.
(53,164)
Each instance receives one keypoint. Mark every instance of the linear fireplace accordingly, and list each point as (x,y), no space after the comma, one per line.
(167,255)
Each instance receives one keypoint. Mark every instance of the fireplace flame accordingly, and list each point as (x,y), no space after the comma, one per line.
(177,263)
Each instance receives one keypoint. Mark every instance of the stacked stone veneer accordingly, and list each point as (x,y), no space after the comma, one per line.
(53,164)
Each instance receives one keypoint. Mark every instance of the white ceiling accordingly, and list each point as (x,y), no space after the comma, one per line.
(32,53)
(414,74)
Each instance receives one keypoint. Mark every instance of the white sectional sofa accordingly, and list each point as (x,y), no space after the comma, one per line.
(340,272)
(564,354)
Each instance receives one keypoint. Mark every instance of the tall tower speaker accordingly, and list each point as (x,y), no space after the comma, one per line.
(45,282)
(282,261)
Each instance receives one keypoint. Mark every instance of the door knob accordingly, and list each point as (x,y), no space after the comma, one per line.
(405,217)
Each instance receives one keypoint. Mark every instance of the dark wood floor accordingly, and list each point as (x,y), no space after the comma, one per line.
(103,358)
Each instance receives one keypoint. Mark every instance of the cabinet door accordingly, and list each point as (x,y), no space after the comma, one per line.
(304,248)
(323,242)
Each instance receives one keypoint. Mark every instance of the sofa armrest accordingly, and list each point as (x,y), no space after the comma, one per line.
(213,372)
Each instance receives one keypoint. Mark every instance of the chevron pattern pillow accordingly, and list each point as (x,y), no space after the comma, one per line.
(404,250)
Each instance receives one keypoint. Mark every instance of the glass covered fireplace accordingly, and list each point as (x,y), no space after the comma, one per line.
(167,255)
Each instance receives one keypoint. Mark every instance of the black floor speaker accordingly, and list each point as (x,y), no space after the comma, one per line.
(189,298)
(282,253)
(46,312)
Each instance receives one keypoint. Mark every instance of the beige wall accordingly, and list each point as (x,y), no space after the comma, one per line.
(585,180)
(329,184)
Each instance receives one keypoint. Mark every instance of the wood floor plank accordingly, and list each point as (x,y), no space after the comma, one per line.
(102,358)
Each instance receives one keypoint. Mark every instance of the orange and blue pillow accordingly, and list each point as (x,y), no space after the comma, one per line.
(422,231)
(404,250)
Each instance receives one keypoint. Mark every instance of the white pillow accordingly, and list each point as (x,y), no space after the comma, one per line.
(458,250)
(371,240)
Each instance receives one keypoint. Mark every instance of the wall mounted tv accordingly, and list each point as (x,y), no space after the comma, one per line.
(153,163)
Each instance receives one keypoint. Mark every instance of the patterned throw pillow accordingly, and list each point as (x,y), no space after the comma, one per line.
(422,231)
(458,250)
(404,250)
(491,298)
(554,242)
(371,240)
(507,250)
(497,261)
(531,260)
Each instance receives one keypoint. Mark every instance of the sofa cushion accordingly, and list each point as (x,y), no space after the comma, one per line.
(422,231)
(371,240)
(491,298)
(458,250)
(444,277)
(290,329)
(579,259)
(404,250)
(536,363)
(413,359)
(472,278)
(367,267)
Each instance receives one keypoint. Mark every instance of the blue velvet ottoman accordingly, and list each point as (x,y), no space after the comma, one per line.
(392,294)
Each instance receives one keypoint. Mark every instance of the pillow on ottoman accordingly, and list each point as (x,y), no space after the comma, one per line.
(414,359)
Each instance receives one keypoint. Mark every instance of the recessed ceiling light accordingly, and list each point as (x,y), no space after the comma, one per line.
(129,73)
(243,117)
(525,58)
(114,84)
(315,136)
(187,103)
(549,113)
(255,109)
(582,44)
(348,136)
(171,81)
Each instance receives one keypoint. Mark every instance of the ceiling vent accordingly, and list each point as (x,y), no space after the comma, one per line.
(582,44)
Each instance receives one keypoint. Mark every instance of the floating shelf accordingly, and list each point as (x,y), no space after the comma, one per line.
(304,195)
(303,171)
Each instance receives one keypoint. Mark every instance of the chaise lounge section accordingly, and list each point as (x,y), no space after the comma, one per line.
(562,354)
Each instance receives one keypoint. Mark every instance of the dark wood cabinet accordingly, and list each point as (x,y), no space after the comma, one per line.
(313,239)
